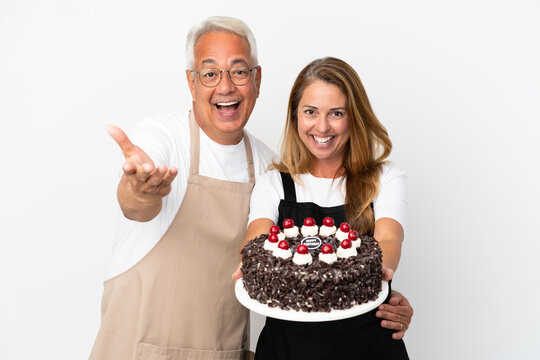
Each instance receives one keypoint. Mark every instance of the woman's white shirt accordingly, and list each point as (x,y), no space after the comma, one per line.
(390,202)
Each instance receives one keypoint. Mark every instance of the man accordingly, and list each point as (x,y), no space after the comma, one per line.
(169,292)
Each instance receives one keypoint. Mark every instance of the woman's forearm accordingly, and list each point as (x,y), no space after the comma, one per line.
(256,228)
(389,234)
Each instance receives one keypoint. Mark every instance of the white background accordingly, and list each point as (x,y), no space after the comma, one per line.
(455,83)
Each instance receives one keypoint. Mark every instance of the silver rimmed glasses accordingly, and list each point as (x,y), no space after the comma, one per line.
(211,77)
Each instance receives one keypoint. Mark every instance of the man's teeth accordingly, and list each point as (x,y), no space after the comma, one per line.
(322,140)
(228,103)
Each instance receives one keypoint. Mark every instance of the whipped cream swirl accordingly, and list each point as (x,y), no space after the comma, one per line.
(291,232)
(302,259)
(340,235)
(345,253)
(309,230)
(269,245)
(328,258)
(327,230)
(281,253)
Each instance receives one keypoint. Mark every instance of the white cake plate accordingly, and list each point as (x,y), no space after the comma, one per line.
(293,315)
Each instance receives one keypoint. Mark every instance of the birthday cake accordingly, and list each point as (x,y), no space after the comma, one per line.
(312,269)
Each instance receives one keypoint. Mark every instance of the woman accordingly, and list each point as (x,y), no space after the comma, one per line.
(332,164)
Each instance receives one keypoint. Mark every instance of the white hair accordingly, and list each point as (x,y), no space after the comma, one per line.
(219,23)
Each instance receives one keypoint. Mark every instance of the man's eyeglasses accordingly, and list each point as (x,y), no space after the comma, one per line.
(212,77)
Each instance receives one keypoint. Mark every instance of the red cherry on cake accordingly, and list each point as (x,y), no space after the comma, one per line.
(302,249)
(273,238)
(345,227)
(353,235)
(288,223)
(309,221)
(328,221)
(274,229)
(327,249)
(283,244)
(346,244)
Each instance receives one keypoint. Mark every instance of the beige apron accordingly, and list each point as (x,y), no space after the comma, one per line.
(178,301)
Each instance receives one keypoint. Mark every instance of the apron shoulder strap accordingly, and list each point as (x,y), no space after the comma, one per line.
(249,157)
(288,186)
(194,148)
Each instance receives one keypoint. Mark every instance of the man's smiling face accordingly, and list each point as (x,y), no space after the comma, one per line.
(223,111)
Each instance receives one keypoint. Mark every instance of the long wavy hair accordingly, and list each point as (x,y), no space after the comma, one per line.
(365,152)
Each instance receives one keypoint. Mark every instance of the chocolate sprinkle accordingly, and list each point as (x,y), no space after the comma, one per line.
(318,287)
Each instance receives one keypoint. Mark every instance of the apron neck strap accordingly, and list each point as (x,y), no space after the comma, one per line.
(288,186)
(195,148)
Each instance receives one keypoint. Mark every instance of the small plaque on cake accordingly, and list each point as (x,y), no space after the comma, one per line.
(313,243)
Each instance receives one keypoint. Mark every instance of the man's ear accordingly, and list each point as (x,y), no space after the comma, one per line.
(191,83)
(258,78)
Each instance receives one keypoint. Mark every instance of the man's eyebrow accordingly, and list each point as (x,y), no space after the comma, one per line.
(235,62)
(239,61)
(209,61)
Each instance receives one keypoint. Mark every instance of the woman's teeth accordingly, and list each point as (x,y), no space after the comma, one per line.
(322,140)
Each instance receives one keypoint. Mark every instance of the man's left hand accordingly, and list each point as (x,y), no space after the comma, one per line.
(396,314)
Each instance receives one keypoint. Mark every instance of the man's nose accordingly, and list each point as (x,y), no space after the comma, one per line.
(225,86)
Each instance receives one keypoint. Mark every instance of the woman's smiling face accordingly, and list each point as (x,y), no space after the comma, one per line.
(323,123)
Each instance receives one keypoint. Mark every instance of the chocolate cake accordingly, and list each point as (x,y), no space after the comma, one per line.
(303,271)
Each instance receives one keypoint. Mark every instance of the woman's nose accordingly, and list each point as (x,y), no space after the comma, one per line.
(322,124)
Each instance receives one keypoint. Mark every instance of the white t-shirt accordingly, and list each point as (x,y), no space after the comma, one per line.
(166,140)
(390,202)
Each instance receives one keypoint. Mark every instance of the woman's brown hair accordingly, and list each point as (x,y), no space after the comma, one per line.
(365,152)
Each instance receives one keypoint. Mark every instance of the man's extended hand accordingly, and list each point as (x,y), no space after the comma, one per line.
(396,314)
(143,185)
